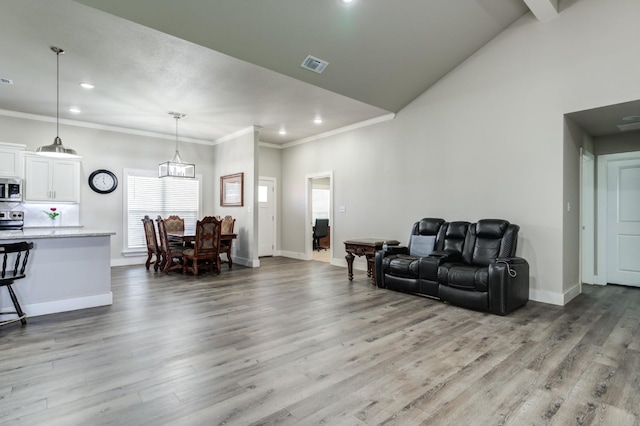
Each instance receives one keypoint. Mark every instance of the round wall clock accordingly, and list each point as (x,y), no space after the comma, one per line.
(103,181)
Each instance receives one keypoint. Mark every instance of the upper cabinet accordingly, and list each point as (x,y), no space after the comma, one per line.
(51,179)
(11,159)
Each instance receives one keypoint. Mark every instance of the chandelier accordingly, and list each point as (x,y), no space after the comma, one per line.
(176,167)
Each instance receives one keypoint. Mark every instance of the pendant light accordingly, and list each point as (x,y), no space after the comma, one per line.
(56,149)
(176,167)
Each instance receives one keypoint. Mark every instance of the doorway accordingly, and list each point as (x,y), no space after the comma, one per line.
(319,207)
(266,216)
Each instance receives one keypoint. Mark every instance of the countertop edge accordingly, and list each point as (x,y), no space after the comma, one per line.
(53,233)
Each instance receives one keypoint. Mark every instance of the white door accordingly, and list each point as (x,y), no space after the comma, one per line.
(623,228)
(266,218)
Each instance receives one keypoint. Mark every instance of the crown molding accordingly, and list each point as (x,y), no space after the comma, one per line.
(96,126)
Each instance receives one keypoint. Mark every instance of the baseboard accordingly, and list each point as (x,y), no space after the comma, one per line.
(250,263)
(293,255)
(45,308)
(554,298)
(359,263)
(129,261)
(572,293)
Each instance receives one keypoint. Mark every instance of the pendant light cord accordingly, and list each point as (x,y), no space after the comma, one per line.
(58,93)
(177,117)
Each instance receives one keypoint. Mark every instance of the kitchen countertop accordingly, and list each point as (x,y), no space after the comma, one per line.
(34,233)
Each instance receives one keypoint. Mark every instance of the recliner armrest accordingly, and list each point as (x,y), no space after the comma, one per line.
(379,258)
(447,255)
(395,250)
(508,284)
(428,266)
(510,260)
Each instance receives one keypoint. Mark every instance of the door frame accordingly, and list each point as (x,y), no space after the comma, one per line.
(308,239)
(275,214)
(587,248)
(603,218)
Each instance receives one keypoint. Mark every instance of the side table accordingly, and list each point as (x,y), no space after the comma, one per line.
(366,247)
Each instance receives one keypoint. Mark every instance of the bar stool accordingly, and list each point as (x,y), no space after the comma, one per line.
(15,254)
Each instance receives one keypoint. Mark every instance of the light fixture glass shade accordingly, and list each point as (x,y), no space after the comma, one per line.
(176,167)
(56,149)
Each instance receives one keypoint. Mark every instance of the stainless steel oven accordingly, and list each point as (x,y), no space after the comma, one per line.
(10,189)
(11,220)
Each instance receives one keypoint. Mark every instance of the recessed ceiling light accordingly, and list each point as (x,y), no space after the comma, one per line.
(318,120)
(87,86)
(631,118)
(282,132)
(347,1)
(75,110)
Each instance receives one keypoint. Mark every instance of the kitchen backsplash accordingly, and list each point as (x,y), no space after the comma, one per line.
(35,216)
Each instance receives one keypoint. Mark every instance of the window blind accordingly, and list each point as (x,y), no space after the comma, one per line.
(153,196)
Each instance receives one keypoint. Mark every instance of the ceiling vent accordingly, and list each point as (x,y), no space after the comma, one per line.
(5,81)
(314,64)
(629,127)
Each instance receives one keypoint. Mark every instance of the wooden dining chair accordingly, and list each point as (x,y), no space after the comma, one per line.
(170,252)
(174,223)
(206,249)
(153,249)
(228,223)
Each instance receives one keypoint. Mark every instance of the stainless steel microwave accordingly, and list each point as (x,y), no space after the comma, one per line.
(10,189)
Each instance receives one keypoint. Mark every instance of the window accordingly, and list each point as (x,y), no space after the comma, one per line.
(149,195)
(263,192)
(320,204)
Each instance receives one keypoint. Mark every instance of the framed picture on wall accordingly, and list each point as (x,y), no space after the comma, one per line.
(232,190)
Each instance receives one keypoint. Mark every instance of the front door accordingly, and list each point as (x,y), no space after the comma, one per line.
(623,228)
(266,217)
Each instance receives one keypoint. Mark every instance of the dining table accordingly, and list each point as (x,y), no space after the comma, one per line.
(189,236)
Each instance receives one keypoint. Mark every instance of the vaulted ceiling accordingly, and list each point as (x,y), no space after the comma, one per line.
(232,64)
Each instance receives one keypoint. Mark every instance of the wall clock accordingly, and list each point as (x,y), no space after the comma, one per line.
(103,181)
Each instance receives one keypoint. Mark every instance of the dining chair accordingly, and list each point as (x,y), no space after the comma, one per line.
(206,247)
(228,224)
(14,262)
(174,223)
(153,249)
(169,252)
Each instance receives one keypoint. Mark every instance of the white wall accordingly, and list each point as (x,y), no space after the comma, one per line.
(486,141)
(239,155)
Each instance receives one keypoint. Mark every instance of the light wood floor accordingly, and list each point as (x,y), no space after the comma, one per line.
(295,343)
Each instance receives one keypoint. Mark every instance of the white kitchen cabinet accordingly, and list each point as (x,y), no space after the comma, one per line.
(52,179)
(11,159)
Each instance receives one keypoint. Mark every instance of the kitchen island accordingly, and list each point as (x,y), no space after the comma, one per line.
(68,269)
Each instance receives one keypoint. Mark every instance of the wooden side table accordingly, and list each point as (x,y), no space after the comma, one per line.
(366,247)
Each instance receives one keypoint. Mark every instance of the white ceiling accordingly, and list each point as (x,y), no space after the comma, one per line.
(241,65)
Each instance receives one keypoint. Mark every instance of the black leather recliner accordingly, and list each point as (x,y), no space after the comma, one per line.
(397,268)
(472,265)
(488,277)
